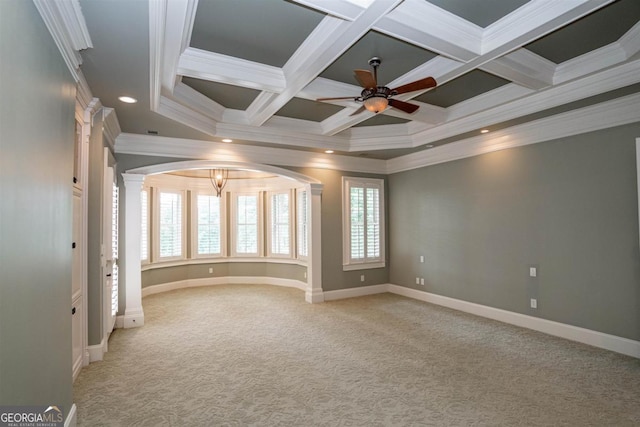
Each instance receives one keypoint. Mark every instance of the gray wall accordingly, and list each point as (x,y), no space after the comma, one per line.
(157,276)
(36,154)
(568,206)
(333,278)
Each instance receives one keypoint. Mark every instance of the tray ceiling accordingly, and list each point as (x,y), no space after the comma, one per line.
(251,70)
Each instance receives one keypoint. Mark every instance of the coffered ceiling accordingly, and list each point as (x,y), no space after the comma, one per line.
(251,70)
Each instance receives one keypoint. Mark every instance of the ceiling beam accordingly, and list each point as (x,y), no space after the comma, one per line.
(216,67)
(324,45)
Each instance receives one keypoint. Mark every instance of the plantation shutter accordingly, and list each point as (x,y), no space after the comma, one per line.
(303,250)
(247,224)
(209,225)
(170,225)
(144,225)
(280,241)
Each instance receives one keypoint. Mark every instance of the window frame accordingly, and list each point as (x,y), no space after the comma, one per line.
(194,224)
(302,227)
(147,260)
(290,226)
(157,191)
(260,224)
(349,263)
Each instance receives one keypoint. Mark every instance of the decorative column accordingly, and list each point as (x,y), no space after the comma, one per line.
(314,291)
(133,314)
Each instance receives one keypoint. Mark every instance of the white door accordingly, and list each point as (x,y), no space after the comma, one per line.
(110,238)
(77,309)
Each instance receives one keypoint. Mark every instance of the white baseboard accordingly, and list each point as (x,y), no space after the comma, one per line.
(96,352)
(227,280)
(77,367)
(562,330)
(573,333)
(354,292)
(71,420)
(133,318)
(119,322)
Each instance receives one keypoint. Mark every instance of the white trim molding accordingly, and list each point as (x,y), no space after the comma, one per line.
(133,313)
(96,352)
(65,22)
(72,417)
(608,114)
(586,336)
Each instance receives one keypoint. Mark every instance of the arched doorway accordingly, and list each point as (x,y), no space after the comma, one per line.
(134,179)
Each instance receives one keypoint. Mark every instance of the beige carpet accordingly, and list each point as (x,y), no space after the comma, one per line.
(259,355)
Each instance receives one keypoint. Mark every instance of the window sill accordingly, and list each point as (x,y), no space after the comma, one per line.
(363,266)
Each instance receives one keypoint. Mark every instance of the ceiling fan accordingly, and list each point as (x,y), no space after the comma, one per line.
(376,98)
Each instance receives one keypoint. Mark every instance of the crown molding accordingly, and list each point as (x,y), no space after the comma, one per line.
(196,101)
(111,127)
(157,14)
(604,81)
(83,91)
(590,62)
(67,26)
(182,114)
(148,145)
(601,116)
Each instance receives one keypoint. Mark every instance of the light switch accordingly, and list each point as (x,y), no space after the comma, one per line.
(533,272)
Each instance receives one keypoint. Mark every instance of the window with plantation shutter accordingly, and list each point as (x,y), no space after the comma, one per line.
(144,226)
(363,221)
(280,224)
(209,224)
(302,224)
(246,224)
(170,224)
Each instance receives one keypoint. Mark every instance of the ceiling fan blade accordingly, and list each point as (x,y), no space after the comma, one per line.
(425,83)
(366,79)
(336,99)
(358,111)
(403,106)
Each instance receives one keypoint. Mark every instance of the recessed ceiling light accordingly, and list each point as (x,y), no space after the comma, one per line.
(484,131)
(227,140)
(128,99)
(328,151)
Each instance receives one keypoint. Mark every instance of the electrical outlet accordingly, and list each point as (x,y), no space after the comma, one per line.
(533,272)
(417,280)
(534,303)
(362,277)
(210,270)
(421,259)
(422,281)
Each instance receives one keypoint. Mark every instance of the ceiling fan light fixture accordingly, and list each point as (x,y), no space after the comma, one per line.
(376,104)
